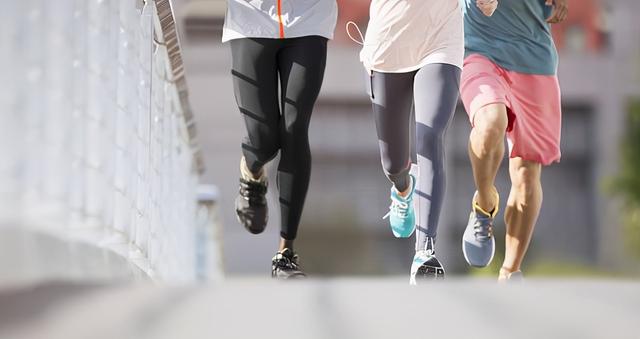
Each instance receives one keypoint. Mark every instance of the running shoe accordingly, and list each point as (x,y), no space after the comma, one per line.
(425,265)
(478,243)
(513,277)
(251,204)
(285,265)
(402,216)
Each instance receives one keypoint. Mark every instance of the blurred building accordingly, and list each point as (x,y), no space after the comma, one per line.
(342,230)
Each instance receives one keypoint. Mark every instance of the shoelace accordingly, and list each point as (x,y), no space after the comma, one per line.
(252,191)
(398,208)
(425,255)
(482,229)
(431,246)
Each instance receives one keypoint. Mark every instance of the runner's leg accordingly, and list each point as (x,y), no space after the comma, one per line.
(301,64)
(255,79)
(436,89)
(392,99)
(521,213)
(254,76)
(486,150)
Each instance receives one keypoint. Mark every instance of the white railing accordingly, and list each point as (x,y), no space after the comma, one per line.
(97,135)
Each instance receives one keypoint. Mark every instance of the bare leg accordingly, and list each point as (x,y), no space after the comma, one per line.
(521,213)
(486,149)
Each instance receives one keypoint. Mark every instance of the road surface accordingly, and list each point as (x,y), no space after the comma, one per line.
(333,308)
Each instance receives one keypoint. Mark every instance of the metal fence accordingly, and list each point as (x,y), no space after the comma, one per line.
(97,136)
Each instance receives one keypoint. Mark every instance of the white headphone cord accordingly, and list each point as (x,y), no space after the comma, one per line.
(361,42)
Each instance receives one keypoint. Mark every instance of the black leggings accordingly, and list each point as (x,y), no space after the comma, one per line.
(276,84)
(432,92)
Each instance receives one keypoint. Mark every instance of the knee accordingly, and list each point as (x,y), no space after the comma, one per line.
(526,179)
(429,142)
(394,168)
(268,150)
(490,125)
(262,152)
(268,153)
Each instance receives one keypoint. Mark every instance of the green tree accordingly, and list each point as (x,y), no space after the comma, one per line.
(627,183)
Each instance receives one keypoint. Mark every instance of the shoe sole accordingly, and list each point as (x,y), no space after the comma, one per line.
(240,219)
(298,276)
(466,257)
(427,273)
(250,230)
(400,236)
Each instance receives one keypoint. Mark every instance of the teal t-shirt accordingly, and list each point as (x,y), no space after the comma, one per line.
(517,36)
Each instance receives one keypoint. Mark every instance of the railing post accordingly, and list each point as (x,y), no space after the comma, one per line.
(209,235)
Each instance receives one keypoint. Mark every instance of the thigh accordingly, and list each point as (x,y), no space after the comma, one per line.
(392,100)
(255,79)
(301,64)
(436,88)
(482,84)
(537,129)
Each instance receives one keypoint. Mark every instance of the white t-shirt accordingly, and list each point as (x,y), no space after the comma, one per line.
(405,35)
(279,19)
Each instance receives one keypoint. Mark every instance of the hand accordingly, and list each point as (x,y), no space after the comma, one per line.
(487,7)
(560,11)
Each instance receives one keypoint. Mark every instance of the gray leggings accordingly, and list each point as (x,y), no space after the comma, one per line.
(432,92)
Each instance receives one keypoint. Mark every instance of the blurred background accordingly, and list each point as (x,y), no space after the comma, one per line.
(584,225)
(119,130)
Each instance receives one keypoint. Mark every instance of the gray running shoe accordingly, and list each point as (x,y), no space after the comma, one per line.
(478,243)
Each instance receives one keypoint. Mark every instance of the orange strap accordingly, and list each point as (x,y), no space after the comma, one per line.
(280,19)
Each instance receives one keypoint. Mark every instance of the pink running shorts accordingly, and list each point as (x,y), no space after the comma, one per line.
(533,106)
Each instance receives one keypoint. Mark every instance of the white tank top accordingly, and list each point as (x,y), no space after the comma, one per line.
(279,19)
(404,35)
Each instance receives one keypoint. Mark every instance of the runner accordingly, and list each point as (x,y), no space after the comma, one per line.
(413,52)
(277,45)
(509,88)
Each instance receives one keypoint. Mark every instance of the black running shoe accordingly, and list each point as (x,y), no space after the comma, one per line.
(251,205)
(284,265)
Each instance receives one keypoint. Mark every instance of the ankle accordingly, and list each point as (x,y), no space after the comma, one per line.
(248,174)
(285,243)
(487,204)
(405,193)
(486,208)
(259,175)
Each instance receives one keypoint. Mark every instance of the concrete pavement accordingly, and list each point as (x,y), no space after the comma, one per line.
(335,308)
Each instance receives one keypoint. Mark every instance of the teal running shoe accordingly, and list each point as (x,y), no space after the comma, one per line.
(425,265)
(402,216)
